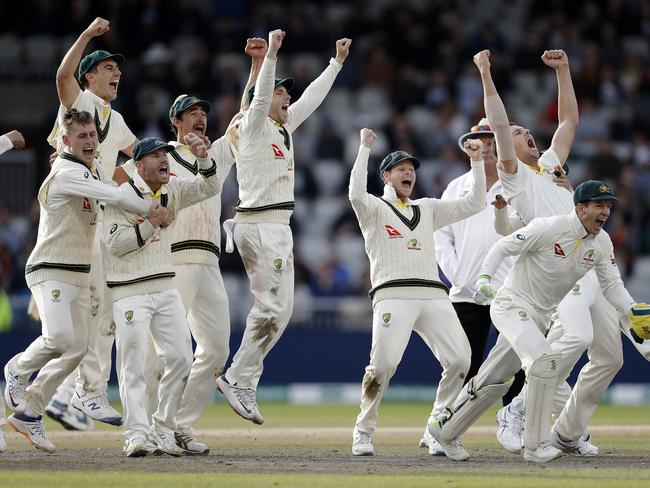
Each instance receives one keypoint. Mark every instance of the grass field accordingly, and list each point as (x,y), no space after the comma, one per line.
(310,446)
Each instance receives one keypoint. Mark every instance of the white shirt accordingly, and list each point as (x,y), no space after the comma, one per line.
(554,253)
(113,133)
(533,193)
(5,144)
(461,246)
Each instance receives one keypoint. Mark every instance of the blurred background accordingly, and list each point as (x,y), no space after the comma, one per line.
(410,77)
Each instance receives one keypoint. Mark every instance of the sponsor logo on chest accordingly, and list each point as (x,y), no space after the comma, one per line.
(559,251)
(393,233)
(277,152)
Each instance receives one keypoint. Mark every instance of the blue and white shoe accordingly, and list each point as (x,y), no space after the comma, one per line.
(97,408)
(70,418)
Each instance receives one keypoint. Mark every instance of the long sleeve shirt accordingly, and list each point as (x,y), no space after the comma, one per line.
(553,253)
(5,144)
(264,149)
(461,246)
(399,237)
(69,201)
(142,256)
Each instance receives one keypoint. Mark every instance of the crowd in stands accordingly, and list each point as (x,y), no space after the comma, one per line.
(409,77)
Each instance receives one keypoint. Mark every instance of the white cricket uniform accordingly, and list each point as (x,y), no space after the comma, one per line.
(113,135)
(57,272)
(195,254)
(534,194)
(264,156)
(406,290)
(145,301)
(461,246)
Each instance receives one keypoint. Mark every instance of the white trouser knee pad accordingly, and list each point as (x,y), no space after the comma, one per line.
(542,381)
(469,406)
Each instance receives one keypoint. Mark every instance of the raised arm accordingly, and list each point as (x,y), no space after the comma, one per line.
(447,212)
(318,89)
(357,191)
(256,48)
(66,83)
(258,111)
(199,188)
(446,248)
(496,115)
(505,223)
(567,105)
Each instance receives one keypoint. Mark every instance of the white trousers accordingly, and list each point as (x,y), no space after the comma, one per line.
(206,302)
(588,322)
(267,253)
(435,320)
(160,316)
(91,378)
(65,311)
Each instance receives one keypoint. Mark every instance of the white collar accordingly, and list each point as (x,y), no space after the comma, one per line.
(390,195)
(144,188)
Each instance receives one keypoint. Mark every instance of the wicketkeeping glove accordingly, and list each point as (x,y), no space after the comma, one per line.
(639,316)
(483,290)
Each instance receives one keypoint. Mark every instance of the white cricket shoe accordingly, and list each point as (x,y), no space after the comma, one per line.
(453,448)
(543,454)
(3,441)
(362,443)
(511,429)
(136,447)
(33,429)
(242,400)
(70,418)
(190,445)
(15,390)
(429,442)
(166,442)
(97,408)
(581,447)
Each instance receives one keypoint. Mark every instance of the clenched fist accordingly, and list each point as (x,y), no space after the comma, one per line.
(275,42)
(482,60)
(256,47)
(98,27)
(474,149)
(16,139)
(342,49)
(197,145)
(368,137)
(555,58)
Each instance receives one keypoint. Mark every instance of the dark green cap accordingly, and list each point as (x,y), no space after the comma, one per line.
(149,145)
(183,102)
(394,158)
(592,190)
(286,82)
(93,58)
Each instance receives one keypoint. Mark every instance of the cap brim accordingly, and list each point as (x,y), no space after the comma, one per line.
(166,147)
(288,83)
(602,197)
(471,135)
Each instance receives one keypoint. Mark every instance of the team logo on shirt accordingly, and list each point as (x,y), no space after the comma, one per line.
(413,245)
(87,207)
(559,251)
(128,315)
(55,296)
(386,318)
(277,262)
(393,232)
(588,257)
(576,289)
(277,151)
(523,315)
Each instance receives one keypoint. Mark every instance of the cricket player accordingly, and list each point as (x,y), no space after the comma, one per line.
(99,75)
(57,274)
(146,301)
(264,153)
(553,253)
(407,293)
(585,319)
(8,141)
